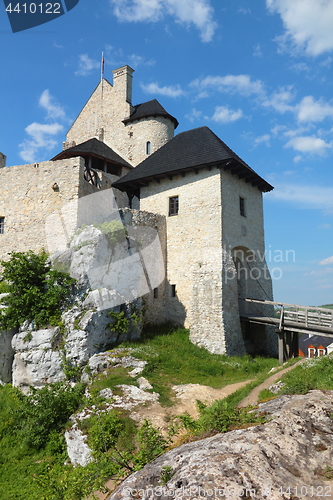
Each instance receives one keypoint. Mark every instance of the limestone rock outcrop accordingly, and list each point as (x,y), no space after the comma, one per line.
(282,459)
(36,363)
(36,357)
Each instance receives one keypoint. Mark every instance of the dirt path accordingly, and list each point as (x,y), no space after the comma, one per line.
(252,398)
(187,395)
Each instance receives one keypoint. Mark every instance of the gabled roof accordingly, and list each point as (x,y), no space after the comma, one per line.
(315,340)
(95,148)
(190,151)
(148,109)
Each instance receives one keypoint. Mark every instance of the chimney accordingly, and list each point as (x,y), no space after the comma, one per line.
(122,82)
(2,160)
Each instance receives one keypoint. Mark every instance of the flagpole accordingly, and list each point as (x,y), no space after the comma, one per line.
(102,73)
(102,66)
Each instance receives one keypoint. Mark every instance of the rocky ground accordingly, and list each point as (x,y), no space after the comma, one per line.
(282,459)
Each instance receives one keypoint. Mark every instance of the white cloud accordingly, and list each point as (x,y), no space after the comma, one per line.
(313,197)
(171,91)
(296,132)
(57,45)
(310,110)
(301,66)
(43,135)
(135,60)
(241,84)
(309,144)
(87,65)
(263,138)
(280,100)
(53,109)
(40,137)
(325,225)
(257,51)
(327,261)
(194,115)
(244,11)
(138,10)
(197,12)
(224,114)
(277,129)
(307,24)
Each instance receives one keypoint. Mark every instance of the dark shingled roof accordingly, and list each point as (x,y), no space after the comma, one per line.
(150,108)
(189,151)
(316,340)
(92,147)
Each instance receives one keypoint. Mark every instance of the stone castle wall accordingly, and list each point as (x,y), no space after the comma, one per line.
(40,204)
(193,236)
(28,195)
(243,236)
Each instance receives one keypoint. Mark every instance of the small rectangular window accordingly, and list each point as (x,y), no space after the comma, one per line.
(173,205)
(155,293)
(2,225)
(242,206)
(173,291)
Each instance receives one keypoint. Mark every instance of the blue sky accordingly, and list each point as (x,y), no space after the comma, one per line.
(259,74)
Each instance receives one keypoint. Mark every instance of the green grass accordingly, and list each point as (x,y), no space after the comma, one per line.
(114,377)
(312,374)
(173,360)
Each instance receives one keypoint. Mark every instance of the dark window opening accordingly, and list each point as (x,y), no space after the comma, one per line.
(242,206)
(148,148)
(173,291)
(2,225)
(113,169)
(97,163)
(173,205)
(155,293)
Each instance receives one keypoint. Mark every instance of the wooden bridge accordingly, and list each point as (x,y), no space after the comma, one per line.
(290,320)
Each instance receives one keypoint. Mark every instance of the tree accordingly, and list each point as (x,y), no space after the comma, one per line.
(35,291)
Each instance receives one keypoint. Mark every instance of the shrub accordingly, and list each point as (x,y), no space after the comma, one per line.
(36,292)
(45,410)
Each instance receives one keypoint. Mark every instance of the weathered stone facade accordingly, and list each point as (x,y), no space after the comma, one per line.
(204,242)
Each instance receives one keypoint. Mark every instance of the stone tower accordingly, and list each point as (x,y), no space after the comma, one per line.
(134,132)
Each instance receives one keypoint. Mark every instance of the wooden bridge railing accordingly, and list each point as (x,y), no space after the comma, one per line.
(293,319)
(307,316)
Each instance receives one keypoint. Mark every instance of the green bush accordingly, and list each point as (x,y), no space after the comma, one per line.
(151,445)
(45,410)
(36,292)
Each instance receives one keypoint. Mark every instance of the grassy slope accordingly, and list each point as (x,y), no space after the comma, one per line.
(172,359)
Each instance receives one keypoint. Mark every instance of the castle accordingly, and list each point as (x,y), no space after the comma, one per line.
(207,201)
